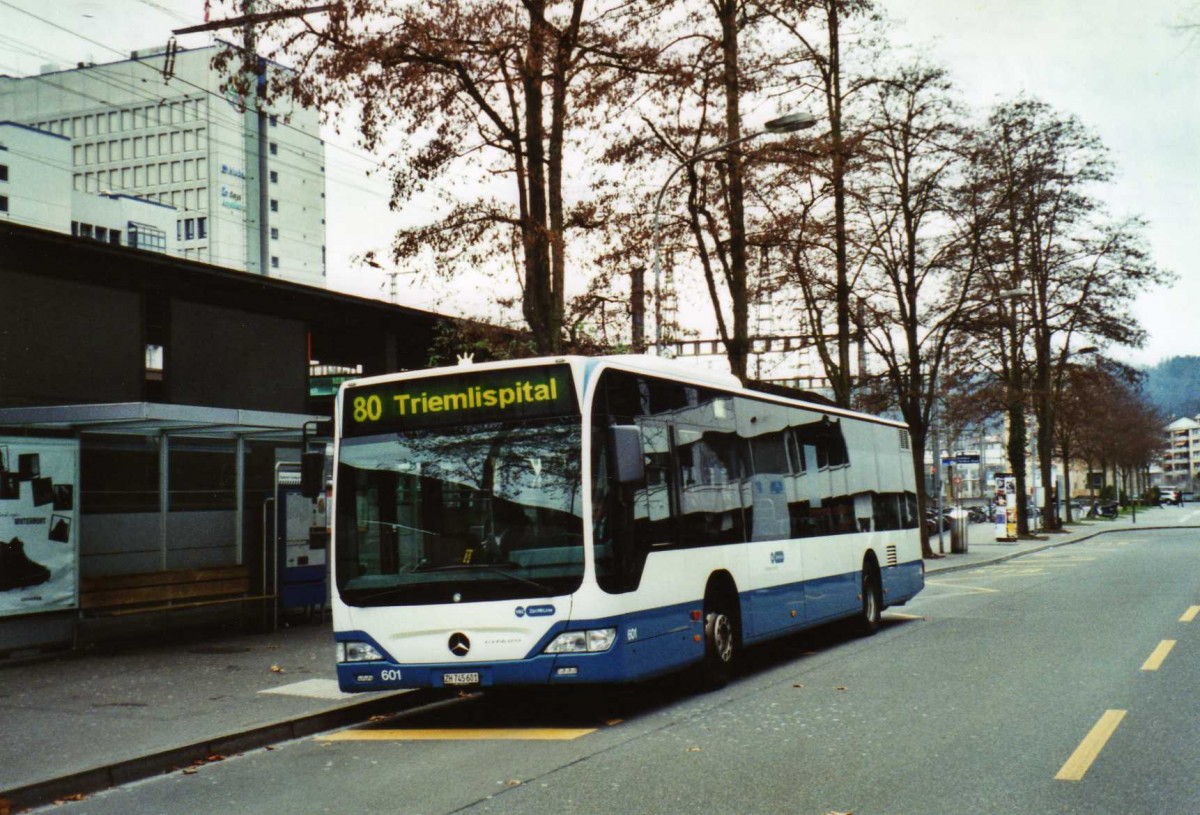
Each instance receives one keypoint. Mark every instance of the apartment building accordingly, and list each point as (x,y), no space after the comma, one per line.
(247,186)
(1181,457)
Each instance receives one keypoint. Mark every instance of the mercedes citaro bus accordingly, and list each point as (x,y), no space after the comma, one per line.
(602,520)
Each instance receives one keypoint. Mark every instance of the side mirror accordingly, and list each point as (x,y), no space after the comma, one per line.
(625,446)
(312,474)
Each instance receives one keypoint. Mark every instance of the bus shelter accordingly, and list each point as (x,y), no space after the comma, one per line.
(111,509)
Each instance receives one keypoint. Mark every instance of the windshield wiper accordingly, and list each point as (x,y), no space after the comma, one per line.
(495,568)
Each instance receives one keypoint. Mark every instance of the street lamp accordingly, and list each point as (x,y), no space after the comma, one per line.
(789,123)
(1014,296)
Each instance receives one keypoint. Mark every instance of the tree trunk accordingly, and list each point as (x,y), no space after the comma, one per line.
(841,381)
(537,304)
(737,344)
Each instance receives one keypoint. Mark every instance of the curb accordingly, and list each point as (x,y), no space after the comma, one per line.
(958,567)
(87,782)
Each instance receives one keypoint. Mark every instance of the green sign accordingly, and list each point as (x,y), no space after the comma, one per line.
(458,398)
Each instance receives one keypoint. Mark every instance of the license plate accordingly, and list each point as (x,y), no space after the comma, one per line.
(471,678)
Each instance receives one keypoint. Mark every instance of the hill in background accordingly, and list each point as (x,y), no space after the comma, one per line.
(1174,386)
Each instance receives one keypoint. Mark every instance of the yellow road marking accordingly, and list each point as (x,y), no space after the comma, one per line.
(1190,614)
(1087,751)
(450,734)
(1155,660)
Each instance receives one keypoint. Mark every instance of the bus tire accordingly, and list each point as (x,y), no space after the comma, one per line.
(720,641)
(872,601)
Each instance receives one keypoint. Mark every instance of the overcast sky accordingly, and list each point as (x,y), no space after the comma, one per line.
(1123,68)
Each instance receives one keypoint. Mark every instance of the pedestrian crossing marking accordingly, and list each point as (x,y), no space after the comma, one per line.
(465,734)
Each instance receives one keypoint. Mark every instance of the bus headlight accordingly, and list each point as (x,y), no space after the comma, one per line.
(580,642)
(357,652)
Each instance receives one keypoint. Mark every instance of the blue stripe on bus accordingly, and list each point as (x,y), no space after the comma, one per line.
(649,643)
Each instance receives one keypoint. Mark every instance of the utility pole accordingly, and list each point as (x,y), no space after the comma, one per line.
(254,131)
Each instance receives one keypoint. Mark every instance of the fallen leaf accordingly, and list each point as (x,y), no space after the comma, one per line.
(269,747)
(797,686)
(695,749)
(78,796)
(190,771)
(841,687)
(275,669)
(513,782)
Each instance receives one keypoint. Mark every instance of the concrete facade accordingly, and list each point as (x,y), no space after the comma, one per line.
(248,185)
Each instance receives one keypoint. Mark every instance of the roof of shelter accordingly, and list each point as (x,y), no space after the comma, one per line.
(152,419)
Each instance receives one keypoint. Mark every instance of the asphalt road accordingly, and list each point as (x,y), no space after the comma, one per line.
(1042,685)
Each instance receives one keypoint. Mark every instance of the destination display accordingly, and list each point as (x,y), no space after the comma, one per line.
(469,397)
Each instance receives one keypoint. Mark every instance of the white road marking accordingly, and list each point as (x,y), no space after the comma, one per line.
(311,689)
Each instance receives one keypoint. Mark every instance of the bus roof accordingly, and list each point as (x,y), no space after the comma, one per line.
(639,363)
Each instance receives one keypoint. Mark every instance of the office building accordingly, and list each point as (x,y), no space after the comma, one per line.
(247,186)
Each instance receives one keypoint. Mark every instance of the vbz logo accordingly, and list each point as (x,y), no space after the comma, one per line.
(776,558)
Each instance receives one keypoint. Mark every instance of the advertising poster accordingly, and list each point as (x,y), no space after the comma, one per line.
(1005,508)
(39,520)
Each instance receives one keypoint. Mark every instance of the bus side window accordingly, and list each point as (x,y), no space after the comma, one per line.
(653,501)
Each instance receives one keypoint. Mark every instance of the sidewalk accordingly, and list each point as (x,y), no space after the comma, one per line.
(86,721)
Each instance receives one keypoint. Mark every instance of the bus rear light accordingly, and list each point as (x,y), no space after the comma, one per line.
(580,642)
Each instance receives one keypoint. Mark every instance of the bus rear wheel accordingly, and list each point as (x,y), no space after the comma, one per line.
(720,644)
(872,603)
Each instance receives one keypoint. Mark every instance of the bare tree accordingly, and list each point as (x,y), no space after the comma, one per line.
(1057,272)
(913,299)
(488,94)
(815,29)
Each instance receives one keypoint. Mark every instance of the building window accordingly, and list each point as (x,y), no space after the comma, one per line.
(274,233)
(274,149)
(102,234)
(3,203)
(145,236)
(274,177)
(274,205)
(189,229)
(154,361)
(202,228)
(114,237)
(3,172)
(274,261)
(273,120)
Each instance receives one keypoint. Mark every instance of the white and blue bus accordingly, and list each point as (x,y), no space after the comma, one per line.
(602,520)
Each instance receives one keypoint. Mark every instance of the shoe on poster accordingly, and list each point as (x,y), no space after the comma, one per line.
(17,571)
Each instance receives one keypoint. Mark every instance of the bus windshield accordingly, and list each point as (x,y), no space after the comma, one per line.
(485,511)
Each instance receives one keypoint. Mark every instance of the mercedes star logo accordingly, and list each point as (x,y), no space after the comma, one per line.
(459,644)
